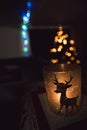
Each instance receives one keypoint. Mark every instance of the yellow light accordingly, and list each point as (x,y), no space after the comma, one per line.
(72,48)
(59,33)
(72,58)
(54,61)
(68,54)
(59,40)
(72,42)
(56,39)
(64,36)
(53,50)
(64,41)
(63,85)
(61,46)
(78,61)
(59,49)
(60,27)
(68,62)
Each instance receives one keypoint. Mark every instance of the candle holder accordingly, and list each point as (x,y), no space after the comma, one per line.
(63,87)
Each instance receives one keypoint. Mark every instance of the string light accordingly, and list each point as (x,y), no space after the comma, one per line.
(65,48)
(60,48)
(64,41)
(60,40)
(56,39)
(60,33)
(72,48)
(68,54)
(53,50)
(68,62)
(72,58)
(72,42)
(54,61)
(78,61)
(24,30)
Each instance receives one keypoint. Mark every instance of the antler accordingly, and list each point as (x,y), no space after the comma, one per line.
(56,81)
(71,77)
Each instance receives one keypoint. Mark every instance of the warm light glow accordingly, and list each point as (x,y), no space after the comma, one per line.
(72,58)
(56,77)
(64,48)
(54,61)
(60,27)
(72,48)
(61,46)
(59,33)
(53,50)
(64,36)
(64,41)
(59,49)
(56,39)
(72,42)
(68,62)
(68,54)
(78,61)
(62,67)
(59,40)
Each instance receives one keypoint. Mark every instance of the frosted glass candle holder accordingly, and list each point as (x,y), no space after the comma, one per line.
(63,87)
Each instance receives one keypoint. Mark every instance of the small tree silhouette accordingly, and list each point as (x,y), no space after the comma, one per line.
(64,49)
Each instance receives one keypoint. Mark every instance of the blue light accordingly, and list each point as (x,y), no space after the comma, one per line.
(29,5)
(25,42)
(27,54)
(24,30)
(24,34)
(25,19)
(24,27)
(28,14)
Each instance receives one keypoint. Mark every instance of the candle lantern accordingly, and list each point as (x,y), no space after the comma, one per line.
(63,87)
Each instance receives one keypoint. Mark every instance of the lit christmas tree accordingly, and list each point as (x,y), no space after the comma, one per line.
(64,49)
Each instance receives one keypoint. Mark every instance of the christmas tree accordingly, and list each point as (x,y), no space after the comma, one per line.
(64,48)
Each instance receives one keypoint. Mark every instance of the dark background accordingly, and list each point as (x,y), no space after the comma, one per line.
(45,12)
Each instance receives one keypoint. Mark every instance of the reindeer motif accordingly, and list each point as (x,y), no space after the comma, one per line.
(62,88)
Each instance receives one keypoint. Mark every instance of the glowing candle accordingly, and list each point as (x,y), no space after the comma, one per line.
(63,87)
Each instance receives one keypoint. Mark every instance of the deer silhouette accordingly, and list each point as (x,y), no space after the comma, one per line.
(64,101)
